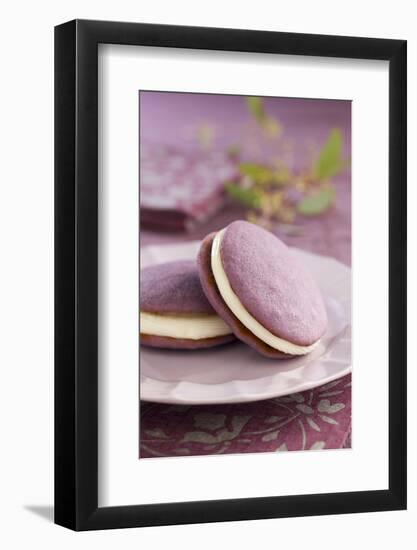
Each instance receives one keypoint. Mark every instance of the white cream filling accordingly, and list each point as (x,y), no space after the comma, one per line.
(236,306)
(192,327)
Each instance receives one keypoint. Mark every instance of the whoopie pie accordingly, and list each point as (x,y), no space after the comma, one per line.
(174,311)
(261,290)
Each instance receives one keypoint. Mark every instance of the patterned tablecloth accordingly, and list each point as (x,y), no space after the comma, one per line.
(316,419)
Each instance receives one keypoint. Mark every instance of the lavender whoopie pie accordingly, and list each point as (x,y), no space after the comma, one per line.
(260,289)
(174,312)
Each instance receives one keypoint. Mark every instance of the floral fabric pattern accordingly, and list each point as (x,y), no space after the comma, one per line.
(310,420)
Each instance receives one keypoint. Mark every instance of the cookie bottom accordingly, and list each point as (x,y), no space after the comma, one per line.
(213,295)
(184,343)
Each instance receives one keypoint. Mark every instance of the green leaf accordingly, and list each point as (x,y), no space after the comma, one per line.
(256,107)
(248,197)
(330,160)
(319,202)
(272,127)
(257,172)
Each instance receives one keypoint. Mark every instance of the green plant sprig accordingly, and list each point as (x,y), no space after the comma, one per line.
(263,188)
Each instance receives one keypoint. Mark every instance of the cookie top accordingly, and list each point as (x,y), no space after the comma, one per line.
(213,294)
(272,285)
(172,287)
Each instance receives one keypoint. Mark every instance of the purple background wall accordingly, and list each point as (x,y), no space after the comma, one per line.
(170,118)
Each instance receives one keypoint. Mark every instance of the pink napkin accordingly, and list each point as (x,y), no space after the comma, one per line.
(180,188)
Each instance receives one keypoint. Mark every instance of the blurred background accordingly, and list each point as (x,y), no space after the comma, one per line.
(282,163)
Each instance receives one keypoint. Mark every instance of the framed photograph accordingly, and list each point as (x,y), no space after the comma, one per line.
(230,253)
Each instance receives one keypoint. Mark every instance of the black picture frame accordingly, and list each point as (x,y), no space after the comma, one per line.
(76,272)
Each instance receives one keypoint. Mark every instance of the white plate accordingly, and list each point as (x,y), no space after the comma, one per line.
(235,373)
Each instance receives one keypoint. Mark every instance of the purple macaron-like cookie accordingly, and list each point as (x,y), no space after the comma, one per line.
(261,290)
(174,311)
